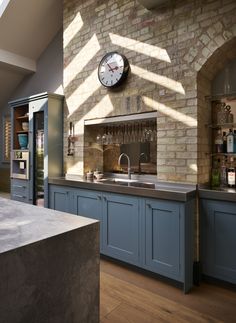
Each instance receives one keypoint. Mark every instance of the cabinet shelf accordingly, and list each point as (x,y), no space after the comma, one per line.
(223,154)
(222,125)
(22,131)
(24,117)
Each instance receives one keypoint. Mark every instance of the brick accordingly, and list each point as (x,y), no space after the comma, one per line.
(190,33)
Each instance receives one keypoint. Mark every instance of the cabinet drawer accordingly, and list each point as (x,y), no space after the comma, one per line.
(20,198)
(20,190)
(20,186)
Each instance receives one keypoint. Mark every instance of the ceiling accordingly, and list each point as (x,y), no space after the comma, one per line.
(26,29)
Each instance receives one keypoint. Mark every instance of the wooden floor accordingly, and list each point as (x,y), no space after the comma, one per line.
(133,297)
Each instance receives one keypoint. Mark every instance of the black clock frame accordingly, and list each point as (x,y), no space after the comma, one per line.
(125,70)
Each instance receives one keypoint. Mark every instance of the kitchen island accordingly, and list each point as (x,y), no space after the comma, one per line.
(49,264)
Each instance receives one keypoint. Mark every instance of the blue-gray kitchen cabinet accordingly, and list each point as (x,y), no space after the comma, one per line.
(61,198)
(88,203)
(168,239)
(218,239)
(20,190)
(121,224)
(154,234)
(163,229)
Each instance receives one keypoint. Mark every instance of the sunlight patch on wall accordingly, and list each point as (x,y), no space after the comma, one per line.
(75,168)
(83,92)
(140,47)
(81,60)
(59,90)
(176,115)
(3,6)
(158,79)
(105,105)
(193,167)
(72,29)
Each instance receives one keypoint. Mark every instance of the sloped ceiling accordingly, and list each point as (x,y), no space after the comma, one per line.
(26,29)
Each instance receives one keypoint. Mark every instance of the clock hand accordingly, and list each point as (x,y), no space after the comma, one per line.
(111,69)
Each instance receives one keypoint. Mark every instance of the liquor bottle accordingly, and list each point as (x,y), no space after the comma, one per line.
(230,141)
(231,173)
(223,173)
(224,142)
(215,174)
(219,142)
(235,141)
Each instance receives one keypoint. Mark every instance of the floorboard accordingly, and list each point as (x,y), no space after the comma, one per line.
(134,297)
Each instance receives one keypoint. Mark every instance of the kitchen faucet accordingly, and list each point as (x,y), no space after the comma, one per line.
(119,160)
(139,161)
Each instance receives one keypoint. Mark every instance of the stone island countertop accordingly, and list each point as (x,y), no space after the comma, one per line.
(145,187)
(49,265)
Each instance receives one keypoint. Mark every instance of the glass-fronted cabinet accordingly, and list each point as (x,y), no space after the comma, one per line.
(39,119)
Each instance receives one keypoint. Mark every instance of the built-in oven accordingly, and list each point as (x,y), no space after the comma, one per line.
(20,164)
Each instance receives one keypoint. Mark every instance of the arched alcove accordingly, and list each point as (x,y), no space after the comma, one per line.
(212,71)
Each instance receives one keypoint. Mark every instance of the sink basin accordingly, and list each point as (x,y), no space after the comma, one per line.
(127,182)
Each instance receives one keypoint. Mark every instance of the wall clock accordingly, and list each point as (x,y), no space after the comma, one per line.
(113,69)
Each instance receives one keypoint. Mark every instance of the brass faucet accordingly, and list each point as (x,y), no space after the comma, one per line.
(119,160)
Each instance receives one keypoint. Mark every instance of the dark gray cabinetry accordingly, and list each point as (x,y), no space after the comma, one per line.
(218,239)
(154,234)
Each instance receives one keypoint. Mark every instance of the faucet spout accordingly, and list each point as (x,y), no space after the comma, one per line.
(139,161)
(119,160)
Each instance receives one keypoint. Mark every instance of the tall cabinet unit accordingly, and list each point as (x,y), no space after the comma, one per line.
(37,146)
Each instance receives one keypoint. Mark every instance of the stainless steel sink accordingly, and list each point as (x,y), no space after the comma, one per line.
(127,182)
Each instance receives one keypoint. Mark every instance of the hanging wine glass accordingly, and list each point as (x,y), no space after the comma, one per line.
(99,139)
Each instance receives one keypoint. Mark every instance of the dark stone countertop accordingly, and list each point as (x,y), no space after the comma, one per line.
(22,224)
(162,190)
(219,193)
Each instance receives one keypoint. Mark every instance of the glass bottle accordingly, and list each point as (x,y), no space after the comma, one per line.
(223,173)
(231,173)
(224,142)
(230,141)
(219,142)
(235,141)
(215,174)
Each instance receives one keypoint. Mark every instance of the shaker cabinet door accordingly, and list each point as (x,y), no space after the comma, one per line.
(121,227)
(218,239)
(60,198)
(162,238)
(88,203)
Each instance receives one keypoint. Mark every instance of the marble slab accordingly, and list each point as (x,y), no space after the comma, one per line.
(49,265)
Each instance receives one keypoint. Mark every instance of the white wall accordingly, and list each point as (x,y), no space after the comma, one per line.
(49,75)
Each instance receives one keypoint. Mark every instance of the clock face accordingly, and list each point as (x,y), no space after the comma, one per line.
(113,69)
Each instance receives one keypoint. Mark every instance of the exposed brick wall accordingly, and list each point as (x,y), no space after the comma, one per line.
(169,50)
